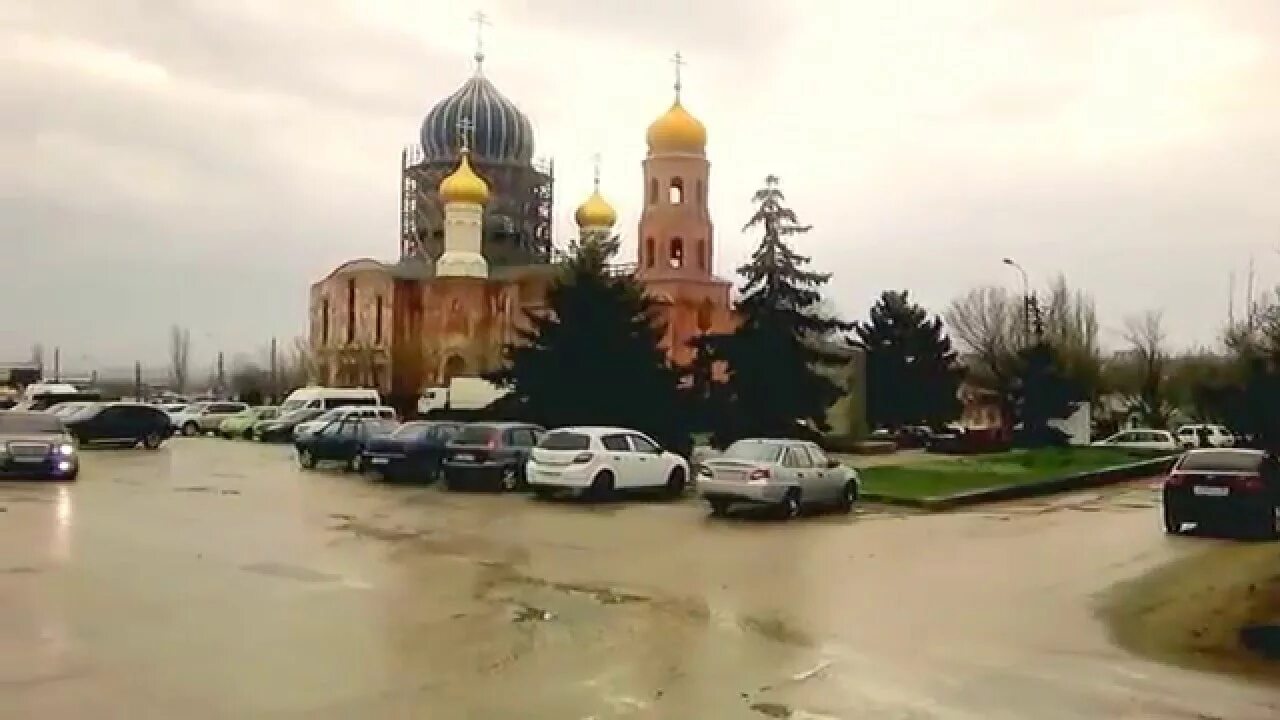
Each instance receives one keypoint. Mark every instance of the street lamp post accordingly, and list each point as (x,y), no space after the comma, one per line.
(1026,295)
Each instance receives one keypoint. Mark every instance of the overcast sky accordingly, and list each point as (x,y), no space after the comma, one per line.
(202,162)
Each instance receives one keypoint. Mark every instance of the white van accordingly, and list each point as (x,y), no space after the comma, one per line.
(323,398)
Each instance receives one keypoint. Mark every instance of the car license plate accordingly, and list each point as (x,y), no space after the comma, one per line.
(28,458)
(379,460)
(1210,491)
(549,473)
(464,457)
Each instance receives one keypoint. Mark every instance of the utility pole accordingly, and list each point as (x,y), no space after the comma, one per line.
(275,386)
(137,380)
(221,381)
(1027,301)
(57,364)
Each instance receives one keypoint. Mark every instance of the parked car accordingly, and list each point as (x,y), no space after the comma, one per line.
(327,398)
(787,474)
(1142,439)
(599,460)
(371,412)
(67,409)
(241,424)
(120,423)
(36,444)
(281,428)
(204,417)
(415,450)
(490,455)
(1232,489)
(341,440)
(1205,435)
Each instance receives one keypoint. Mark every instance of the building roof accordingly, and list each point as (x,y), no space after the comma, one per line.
(499,132)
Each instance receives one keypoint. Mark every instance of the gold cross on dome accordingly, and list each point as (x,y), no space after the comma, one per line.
(480,19)
(678,61)
(595,159)
(465,126)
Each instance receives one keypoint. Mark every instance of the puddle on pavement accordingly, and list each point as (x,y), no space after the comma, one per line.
(1208,611)
(290,572)
(775,629)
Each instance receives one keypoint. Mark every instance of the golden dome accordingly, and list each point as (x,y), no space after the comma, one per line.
(595,212)
(464,185)
(677,132)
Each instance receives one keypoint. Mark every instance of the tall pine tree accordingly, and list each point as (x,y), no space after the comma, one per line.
(912,373)
(779,359)
(592,357)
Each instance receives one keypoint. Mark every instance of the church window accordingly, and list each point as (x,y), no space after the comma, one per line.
(653,191)
(377,321)
(702,254)
(704,315)
(676,258)
(675,193)
(648,252)
(351,311)
(324,321)
(702,193)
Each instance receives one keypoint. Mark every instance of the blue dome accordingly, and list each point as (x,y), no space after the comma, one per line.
(500,133)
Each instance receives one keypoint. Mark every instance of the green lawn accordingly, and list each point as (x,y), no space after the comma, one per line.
(937,478)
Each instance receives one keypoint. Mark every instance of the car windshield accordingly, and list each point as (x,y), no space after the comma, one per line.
(475,435)
(1223,461)
(195,408)
(14,423)
(752,450)
(565,441)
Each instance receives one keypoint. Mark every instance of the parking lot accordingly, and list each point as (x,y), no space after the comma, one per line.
(215,579)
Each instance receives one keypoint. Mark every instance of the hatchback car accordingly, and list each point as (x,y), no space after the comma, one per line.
(281,428)
(1236,490)
(346,412)
(120,423)
(36,444)
(415,450)
(597,461)
(1142,439)
(490,456)
(241,424)
(341,441)
(205,417)
(787,474)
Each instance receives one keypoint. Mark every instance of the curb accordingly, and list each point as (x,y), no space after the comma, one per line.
(1079,481)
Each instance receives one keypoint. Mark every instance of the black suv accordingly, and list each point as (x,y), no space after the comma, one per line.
(120,423)
(490,455)
(1236,490)
(36,444)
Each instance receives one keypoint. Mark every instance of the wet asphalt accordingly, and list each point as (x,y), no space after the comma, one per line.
(215,579)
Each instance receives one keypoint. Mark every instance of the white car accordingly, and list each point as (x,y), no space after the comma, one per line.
(599,460)
(786,474)
(364,412)
(1142,439)
(1217,435)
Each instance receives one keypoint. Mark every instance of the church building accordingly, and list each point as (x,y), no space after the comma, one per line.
(477,252)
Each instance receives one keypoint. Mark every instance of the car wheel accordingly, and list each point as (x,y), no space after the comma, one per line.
(356,463)
(71,476)
(247,434)
(190,429)
(602,486)
(675,483)
(789,508)
(1172,523)
(306,458)
(508,480)
(719,507)
(849,497)
(152,441)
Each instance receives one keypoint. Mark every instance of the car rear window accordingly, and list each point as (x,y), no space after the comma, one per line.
(565,441)
(475,435)
(412,431)
(20,422)
(754,451)
(1222,461)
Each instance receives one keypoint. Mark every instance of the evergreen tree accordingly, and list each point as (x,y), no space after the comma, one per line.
(1043,393)
(776,385)
(912,373)
(592,357)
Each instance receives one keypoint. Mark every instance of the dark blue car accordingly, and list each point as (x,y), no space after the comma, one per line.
(414,451)
(341,441)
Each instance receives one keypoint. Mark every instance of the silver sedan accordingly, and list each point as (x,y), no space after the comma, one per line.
(788,474)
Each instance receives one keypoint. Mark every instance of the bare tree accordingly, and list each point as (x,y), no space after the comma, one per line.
(1071,326)
(1148,348)
(987,324)
(179,356)
(298,366)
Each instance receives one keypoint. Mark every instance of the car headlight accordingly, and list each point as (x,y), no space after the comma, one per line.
(66,449)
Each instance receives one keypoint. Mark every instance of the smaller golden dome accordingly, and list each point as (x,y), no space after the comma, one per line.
(676,131)
(464,185)
(595,212)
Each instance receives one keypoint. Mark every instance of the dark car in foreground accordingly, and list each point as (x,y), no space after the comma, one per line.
(119,423)
(342,441)
(280,429)
(36,444)
(490,456)
(1232,490)
(414,451)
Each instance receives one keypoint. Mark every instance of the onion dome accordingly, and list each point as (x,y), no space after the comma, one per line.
(596,212)
(499,132)
(676,131)
(464,185)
